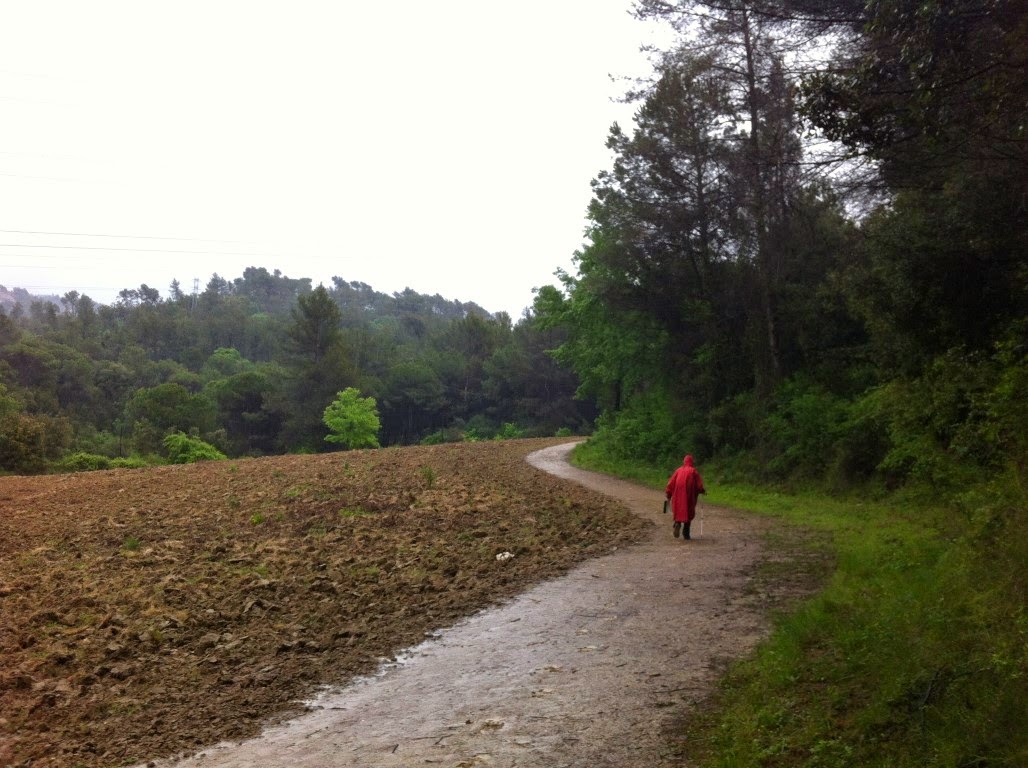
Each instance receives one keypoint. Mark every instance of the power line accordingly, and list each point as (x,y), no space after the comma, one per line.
(126,237)
(41,178)
(138,250)
(33,266)
(61,287)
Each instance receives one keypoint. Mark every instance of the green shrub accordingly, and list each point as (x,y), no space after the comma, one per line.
(183,449)
(803,428)
(861,445)
(509,431)
(649,429)
(451,434)
(436,438)
(479,428)
(89,440)
(948,423)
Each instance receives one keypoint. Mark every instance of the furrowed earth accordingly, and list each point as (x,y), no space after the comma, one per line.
(146,613)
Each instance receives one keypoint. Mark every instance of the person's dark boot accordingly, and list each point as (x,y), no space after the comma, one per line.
(685,531)
(676,528)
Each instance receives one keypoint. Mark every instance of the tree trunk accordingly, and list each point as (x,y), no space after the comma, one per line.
(769,369)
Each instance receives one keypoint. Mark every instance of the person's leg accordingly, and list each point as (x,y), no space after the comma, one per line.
(685,530)
(677,526)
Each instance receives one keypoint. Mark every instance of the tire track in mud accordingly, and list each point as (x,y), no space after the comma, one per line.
(590,669)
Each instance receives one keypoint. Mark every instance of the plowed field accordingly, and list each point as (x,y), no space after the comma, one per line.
(150,612)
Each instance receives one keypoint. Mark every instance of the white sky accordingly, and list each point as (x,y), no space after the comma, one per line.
(444,146)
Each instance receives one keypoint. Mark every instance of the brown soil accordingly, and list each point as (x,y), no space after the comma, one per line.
(229,615)
(147,613)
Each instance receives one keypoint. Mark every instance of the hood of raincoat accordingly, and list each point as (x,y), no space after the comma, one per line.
(687,461)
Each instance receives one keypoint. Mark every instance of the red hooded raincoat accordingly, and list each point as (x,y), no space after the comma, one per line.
(684,488)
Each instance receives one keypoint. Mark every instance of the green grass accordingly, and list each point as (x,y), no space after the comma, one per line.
(353,512)
(428,476)
(912,654)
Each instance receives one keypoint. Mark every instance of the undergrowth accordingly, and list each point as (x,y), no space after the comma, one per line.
(913,653)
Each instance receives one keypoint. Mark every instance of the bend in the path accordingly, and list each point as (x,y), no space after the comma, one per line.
(583,670)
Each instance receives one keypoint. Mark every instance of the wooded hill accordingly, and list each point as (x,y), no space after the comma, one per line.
(249,365)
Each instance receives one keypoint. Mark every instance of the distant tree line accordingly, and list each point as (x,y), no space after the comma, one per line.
(248,366)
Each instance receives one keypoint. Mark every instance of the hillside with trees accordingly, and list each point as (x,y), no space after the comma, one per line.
(249,365)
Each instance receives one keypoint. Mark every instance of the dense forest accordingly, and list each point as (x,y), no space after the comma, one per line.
(811,267)
(249,365)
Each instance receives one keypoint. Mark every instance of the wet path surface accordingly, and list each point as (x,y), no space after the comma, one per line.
(586,670)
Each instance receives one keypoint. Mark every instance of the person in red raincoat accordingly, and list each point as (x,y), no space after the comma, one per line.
(683,489)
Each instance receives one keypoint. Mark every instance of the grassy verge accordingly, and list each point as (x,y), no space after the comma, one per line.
(913,653)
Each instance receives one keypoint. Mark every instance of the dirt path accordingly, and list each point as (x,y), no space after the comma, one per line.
(590,669)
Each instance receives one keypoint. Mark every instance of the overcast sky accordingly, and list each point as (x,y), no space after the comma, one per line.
(444,146)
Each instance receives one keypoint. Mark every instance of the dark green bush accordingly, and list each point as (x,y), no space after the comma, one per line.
(649,429)
(451,434)
(803,428)
(861,445)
